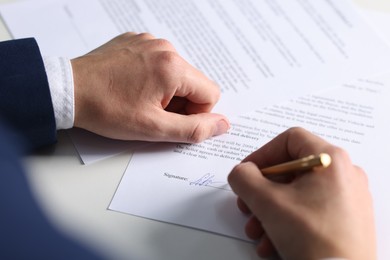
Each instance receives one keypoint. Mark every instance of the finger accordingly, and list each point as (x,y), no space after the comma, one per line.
(341,168)
(253,188)
(190,128)
(183,106)
(202,92)
(253,228)
(362,174)
(291,144)
(243,207)
(266,249)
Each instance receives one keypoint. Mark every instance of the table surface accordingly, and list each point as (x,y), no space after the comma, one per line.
(76,197)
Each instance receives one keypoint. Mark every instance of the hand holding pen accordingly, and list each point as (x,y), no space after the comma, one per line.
(325,212)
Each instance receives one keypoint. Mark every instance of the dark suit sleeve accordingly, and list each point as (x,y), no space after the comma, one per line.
(25,101)
(25,233)
(26,106)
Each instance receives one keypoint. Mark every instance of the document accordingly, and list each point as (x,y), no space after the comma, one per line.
(187,184)
(93,148)
(259,52)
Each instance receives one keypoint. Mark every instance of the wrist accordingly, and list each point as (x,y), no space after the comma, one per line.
(78,95)
(88,97)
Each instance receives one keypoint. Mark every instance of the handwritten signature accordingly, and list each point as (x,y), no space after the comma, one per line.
(206,180)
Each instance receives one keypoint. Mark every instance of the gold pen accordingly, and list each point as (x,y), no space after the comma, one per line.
(322,160)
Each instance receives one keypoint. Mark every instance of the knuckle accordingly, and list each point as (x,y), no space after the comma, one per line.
(168,59)
(215,93)
(361,171)
(197,135)
(339,153)
(167,65)
(361,174)
(128,34)
(232,177)
(163,44)
(145,36)
(241,171)
(239,168)
(297,131)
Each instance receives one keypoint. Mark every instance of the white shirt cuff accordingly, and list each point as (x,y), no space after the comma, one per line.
(60,77)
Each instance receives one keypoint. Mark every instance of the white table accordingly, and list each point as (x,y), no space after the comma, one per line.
(76,198)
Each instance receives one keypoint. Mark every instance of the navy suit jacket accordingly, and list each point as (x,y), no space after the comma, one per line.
(26,122)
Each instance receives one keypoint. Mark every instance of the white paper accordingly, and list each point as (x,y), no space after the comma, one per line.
(380,21)
(260,52)
(93,148)
(186,184)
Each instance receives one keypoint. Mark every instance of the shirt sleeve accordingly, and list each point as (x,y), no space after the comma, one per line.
(60,77)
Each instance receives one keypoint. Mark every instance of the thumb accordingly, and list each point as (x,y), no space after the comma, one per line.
(192,128)
(256,191)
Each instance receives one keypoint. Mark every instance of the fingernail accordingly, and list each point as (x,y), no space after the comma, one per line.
(222,127)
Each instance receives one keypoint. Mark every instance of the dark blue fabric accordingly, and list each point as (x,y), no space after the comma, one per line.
(26,108)
(25,233)
(25,101)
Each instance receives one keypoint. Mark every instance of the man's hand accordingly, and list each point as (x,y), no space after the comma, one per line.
(320,214)
(137,87)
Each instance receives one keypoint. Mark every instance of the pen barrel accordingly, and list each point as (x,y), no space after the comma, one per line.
(301,165)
